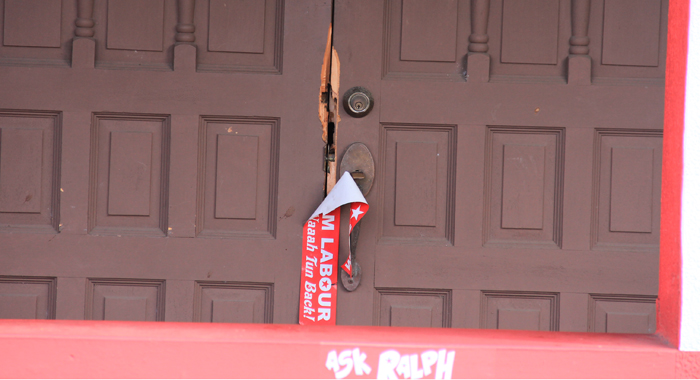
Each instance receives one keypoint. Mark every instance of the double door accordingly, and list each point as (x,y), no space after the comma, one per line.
(160,158)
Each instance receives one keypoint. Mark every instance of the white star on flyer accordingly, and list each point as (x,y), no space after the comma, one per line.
(356,212)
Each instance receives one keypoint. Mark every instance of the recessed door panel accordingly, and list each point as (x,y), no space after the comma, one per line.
(410,308)
(520,311)
(125,300)
(34,23)
(135,25)
(627,190)
(238,177)
(223,302)
(129,174)
(524,187)
(241,35)
(626,314)
(27,297)
(30,171)
(418,178)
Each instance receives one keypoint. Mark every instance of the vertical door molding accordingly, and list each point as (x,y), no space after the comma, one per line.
(185,21)
(84,24)
(478,40)
(579,61)
(478,60)
(580,13)
(83,49)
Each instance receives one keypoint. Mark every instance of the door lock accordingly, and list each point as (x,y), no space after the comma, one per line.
(358,101)
(358,161)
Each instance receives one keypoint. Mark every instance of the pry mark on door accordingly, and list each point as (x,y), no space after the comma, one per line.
(328,108)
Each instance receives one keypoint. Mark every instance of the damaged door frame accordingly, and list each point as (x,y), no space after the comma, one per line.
(328,112)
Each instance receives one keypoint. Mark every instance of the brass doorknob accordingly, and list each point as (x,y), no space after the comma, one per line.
(357,161)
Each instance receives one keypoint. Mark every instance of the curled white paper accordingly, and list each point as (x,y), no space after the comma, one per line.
(345,191)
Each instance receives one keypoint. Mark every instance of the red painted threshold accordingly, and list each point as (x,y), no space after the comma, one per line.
(80,349)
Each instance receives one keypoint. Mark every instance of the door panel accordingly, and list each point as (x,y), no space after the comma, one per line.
(622,314)
(528,202)
(524,183)
(233,302)
(627,189)
(27,297)
(130,157)
(155,180)
(418,164)
(243,36)
(30,146)
(125,300)
(238,156)
(520,311)
(414,307)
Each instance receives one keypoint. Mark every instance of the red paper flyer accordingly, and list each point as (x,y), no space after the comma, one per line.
(319,265)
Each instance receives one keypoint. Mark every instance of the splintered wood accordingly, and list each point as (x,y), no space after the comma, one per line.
(323,93)
(335,118)
(328,106)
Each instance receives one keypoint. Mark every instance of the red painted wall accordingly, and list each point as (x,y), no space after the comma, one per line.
(92,349)
(669,304)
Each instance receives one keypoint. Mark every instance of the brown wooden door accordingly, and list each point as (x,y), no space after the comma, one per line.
(147,176)
(506,197)
(142,178)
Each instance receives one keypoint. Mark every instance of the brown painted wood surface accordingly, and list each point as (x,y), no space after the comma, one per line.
(160,171)
(544,194)
(155,145)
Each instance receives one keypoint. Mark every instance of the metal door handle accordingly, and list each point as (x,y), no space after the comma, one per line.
(358,161)
(351,283)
